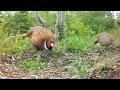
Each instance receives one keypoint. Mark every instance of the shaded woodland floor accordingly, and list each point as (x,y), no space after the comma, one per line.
(61,66)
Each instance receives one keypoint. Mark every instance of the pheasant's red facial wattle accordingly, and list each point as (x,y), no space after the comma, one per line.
(48,44)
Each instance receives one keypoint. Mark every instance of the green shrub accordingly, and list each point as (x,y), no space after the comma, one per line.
(16,46)
(22,45)
(96,20)
(116,34)
(5,43)
(78,44)
(19,21)
(79,37)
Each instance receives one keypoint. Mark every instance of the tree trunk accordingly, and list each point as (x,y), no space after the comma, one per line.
(59,27)
(40,21)
(0,13)
(1,16)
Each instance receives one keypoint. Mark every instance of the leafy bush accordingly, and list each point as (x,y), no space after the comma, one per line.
(116,35)
(78,44)
(20,21)
(79,37)
(4,41)
(16,46)
(95,19)
(21,45)
(15,23)
(3,34)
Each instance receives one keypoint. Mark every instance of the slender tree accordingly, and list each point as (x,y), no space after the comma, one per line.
(59,27)
(40,21)
(1,16)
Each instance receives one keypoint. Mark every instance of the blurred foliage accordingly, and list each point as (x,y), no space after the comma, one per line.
(18,22)
(80,30)
(98,21)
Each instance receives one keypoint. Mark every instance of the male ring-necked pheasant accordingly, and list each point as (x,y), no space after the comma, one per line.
(41,38)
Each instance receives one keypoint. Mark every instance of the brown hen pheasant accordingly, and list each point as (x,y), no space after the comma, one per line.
(41,38)
(106,39)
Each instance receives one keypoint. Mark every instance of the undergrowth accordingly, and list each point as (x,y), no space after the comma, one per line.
(22,45)
(116,35)
(16,46)
(79,38)
(82,68)
(35,64)
(77,44)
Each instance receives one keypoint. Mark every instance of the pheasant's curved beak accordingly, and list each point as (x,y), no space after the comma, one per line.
(51,44)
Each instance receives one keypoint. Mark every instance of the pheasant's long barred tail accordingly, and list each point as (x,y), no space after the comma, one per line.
(41,38)
(20,36)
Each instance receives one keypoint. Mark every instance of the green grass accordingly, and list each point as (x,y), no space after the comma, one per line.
(35,64)
(82,69)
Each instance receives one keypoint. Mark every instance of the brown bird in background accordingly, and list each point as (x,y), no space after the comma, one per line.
(41,38)
(106,39)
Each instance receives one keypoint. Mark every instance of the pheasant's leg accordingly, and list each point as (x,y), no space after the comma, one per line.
(39,52)
(39,55)
(110,49)
(104,49)
(44,54)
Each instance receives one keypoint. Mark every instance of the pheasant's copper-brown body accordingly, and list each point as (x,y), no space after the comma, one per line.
(39,35)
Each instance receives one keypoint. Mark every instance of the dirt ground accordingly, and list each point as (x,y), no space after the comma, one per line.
(114,72)
(60,66)
(109,73)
